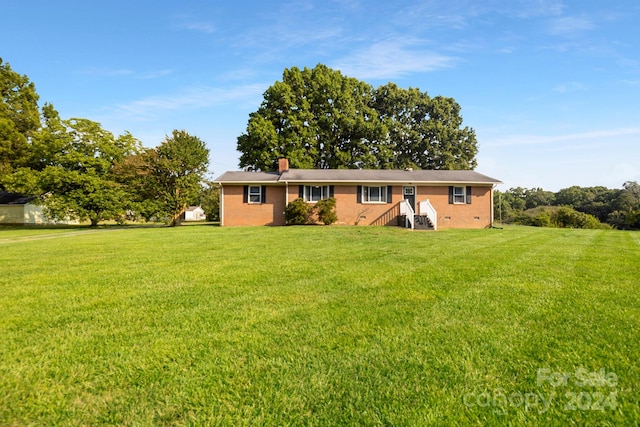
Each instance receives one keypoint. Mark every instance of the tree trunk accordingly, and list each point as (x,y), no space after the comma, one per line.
(176,220)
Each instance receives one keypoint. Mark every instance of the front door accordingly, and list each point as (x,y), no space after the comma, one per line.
(409,194)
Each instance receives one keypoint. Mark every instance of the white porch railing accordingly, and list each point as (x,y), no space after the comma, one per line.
(426,208)
(407,211)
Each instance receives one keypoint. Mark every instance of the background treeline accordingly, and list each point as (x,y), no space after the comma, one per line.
(573,207)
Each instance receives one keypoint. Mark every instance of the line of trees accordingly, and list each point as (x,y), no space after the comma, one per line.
(81,171)
(581,207)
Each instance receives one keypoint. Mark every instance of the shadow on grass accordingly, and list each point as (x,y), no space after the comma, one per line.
(200,224)
(104,226)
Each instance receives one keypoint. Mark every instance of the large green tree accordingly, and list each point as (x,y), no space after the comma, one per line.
(71,169)
(19,119)
(425,132)
(177,171)
(318,118)
(627,205)
(629,197)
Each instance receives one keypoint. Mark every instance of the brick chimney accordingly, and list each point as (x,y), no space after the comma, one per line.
(283,165)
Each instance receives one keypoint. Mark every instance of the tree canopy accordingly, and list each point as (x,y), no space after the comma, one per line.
(19,118)
(177,172)
(318,118)
(424,132)
(70,167)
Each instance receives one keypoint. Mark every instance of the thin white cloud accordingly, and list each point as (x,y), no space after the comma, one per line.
(348,4)
(569,87)
(107,72)
(197,97)
(430,14)
(287,37)
(204,27)
(520,140)
(124,72)
(188,22)
(569,26)
(535,8)
(461,14)
(155,74)
(291,25)
(630,82)
(391,59)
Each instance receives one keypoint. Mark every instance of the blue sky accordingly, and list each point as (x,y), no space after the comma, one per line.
(551,87)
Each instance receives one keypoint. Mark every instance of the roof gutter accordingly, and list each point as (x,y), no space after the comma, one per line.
(403,182)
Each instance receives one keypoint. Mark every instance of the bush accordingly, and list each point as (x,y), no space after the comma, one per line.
(543,219)
(540,216)
(618,219)
(633,220)
(561,217)
(327,211)
(566,217)
(298,212)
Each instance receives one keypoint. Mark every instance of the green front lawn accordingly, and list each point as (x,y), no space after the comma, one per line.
(320,326)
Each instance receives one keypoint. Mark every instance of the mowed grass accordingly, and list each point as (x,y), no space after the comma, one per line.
(10,234)
(320,326)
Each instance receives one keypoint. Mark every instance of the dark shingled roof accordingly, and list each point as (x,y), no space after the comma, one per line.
(247,177)
(359,175)
(7,198)
(386,175)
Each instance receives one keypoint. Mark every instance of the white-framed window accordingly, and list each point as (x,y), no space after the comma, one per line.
(315,193)
(459,195)
(374,194)
(255,194)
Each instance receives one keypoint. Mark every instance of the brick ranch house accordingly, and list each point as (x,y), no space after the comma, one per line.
(430,199)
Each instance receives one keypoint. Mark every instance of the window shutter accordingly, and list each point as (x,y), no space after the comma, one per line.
(245,194)
(468,195)
(451,194)
(359,194)
(331,190)
(301,191)
(389,194)
(263,194)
